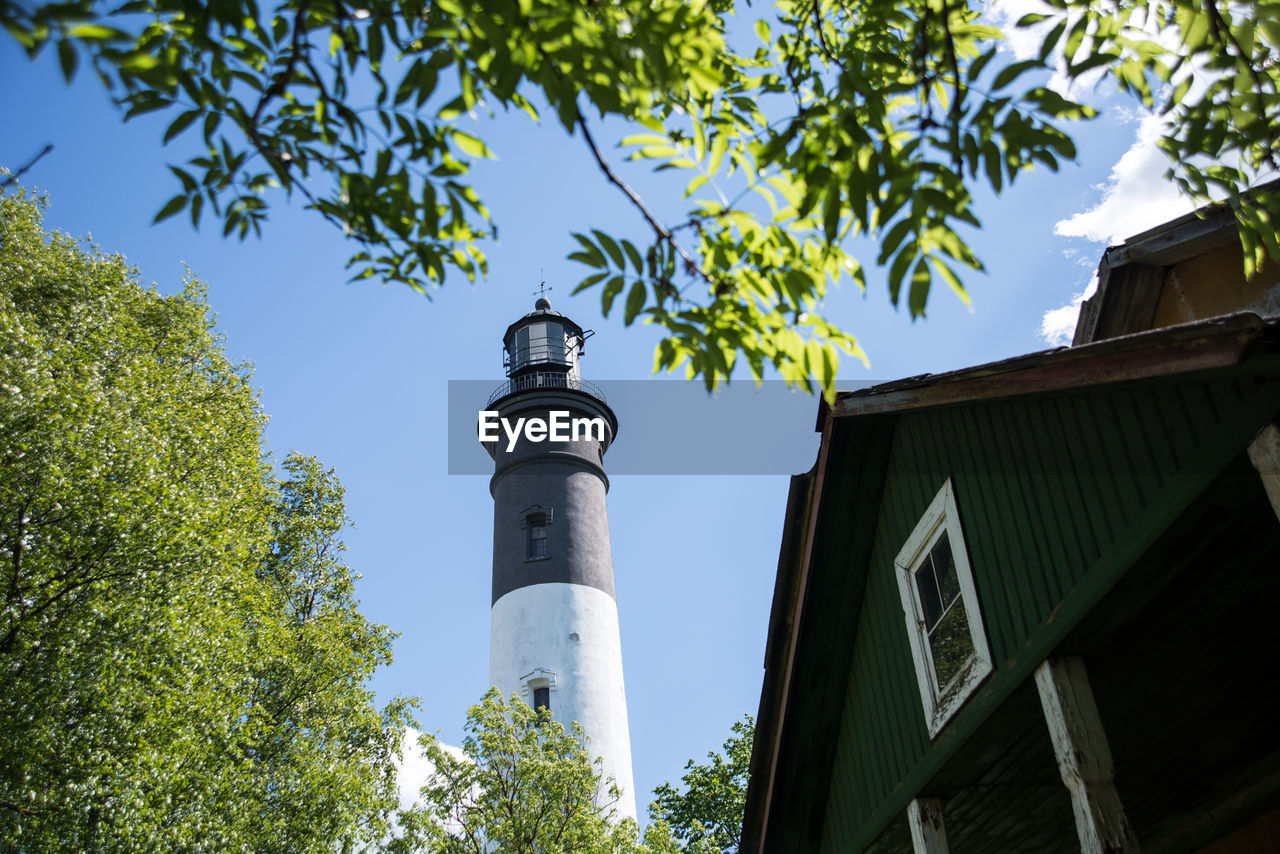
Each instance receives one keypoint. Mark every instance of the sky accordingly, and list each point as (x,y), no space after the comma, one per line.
(358,376)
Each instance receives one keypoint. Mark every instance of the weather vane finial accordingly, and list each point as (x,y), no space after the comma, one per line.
(541,292)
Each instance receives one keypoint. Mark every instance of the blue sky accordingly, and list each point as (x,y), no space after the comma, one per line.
(357,375)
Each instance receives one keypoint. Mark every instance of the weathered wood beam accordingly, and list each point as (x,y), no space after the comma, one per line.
(928,829)
(1206,345)
(1264,453)
(1129,301)
(1084,757)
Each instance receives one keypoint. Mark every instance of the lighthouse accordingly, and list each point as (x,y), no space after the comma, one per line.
(553,636)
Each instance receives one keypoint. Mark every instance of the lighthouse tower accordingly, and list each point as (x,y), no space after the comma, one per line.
(554,637)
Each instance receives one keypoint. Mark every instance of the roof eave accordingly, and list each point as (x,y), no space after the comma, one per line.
(803,497)
(1204,345)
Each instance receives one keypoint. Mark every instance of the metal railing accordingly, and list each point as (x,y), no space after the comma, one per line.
(543,352)
(547,380)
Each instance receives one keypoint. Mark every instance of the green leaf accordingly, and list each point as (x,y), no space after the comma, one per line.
(992,162)
(96,32)
(591,255)
(612,288)
(171,207)
(67,59)
(634,254)
(635,301)
(145,104)
(1051,40)
(898,270)
(189,184)
(1013,71)
(921,278)
(611,246)
(471,145)
(180,124)
(593,279)
(832,208)
(976,67)
(952,280)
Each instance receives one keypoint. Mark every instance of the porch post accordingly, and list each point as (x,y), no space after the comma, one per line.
(1084,757)
(928,830)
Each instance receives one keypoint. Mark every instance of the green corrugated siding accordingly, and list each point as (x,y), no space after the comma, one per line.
(1108,467)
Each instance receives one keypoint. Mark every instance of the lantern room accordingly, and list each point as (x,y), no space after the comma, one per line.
(543,341)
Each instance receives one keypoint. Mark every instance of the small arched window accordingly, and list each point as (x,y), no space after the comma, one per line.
(537,687)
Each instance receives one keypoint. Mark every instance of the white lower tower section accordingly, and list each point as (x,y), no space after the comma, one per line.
(565,637)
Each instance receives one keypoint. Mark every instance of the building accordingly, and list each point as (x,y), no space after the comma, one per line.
(1027,606)
(554,638)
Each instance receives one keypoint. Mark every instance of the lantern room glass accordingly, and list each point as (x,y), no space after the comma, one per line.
(542,343)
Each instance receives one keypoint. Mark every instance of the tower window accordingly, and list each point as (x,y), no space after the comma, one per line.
(536,688)
(535,521)
(537,540)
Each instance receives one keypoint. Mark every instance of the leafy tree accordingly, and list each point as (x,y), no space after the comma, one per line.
(523,784)
(706,818)
(184,667)
(858,118)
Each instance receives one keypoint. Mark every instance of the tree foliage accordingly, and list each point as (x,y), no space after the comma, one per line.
(834,120)
(523,784)
(706,817)
(183,663)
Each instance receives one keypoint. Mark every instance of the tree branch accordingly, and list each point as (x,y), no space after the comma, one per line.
(822,37)
(12,178)
(664,233)
(20,810)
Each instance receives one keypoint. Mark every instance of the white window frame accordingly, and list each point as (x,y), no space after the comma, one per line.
(539,677)
(941,701)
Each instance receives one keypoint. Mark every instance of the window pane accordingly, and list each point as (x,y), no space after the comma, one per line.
(537,541)
(944,568)
(927,588)
(542,698)
(951,644)
(555,342)
(538,342)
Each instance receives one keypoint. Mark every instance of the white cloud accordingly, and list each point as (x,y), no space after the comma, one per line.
(1025,43)
(1136,196)
(414,771)
(1059,325)
(415,768)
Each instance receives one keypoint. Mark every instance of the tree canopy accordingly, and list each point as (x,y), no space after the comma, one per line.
(832,120)
(523,783)
(184,665)
(706,817)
